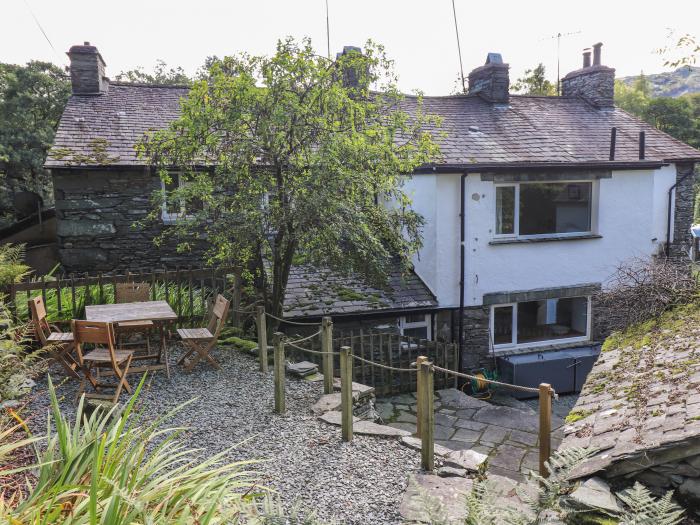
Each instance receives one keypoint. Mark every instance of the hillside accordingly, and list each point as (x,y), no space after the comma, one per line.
(682,81)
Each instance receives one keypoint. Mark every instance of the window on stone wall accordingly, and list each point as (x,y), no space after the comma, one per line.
(416,325)
(543,208)
(173,208)
(534,322)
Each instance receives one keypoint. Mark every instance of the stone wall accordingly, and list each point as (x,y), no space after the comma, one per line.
(596,84)
(683,211)
(96,212)
(475,345)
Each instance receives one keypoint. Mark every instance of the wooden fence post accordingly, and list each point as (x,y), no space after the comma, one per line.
(427,449)
(419,396)
(262,338)
(327,349)
(346,392)
(279,372)
(545,426)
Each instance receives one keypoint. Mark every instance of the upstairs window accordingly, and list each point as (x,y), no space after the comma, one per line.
(543,209)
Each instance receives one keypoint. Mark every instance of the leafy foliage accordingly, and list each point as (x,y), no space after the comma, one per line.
(303,150)
(682,50)
(17,362)
(32,98)
(12,267)
(162,74)
(114,467)
(535,83)
(679,117)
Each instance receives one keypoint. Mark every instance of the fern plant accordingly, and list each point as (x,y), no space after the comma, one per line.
(548,501)
(643,509)
(17,362)
(12,267)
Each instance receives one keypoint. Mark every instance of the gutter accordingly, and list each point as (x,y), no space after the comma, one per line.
(670,210)
(479,167)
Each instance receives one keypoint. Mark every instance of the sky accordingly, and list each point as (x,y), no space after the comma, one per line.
(418,34)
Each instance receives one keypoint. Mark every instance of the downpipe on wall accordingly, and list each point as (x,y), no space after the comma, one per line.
(462,262)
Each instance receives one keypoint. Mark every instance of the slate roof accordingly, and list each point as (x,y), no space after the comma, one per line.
(637,403)
(312,292)
(539,129)
(529,129)
(120,117)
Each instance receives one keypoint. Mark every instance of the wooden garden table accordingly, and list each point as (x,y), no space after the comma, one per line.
(157,311)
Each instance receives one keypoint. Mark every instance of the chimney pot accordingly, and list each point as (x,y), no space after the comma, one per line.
(596,53)
(587,57)
(86,43)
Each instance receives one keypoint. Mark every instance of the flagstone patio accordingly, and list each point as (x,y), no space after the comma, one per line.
(508,435)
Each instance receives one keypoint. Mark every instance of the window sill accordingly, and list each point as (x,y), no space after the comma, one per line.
(544,347)
(553,238)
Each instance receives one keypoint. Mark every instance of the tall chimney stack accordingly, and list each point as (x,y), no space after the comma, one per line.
(594,83)
(87,70)
(491,80)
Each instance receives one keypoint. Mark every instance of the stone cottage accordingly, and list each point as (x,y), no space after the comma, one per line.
(533,204)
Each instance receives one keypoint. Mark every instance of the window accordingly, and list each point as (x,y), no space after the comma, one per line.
(543,209)
(172,209)
(416,325)
(534,322)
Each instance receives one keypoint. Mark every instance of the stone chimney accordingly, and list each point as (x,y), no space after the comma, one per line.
(353,75)
(87,70)
(491,81)
(594,83)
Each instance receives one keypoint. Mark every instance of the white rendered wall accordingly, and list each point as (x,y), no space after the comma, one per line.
(436,198)
(630,212)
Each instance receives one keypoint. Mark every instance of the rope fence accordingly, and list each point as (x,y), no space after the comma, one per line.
(380,365)
(423,367)
(287,321)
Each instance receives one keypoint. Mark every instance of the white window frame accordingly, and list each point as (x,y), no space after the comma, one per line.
(548,342)
(516,211)
(172,217)
(426,323)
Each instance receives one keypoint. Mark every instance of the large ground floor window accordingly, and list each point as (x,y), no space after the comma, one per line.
(541,321)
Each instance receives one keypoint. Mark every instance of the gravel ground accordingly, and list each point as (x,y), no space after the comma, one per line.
(307,462)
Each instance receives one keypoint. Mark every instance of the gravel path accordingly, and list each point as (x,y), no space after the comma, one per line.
(358,482)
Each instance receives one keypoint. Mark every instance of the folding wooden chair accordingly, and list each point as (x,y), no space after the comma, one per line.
(102,356)
(59,345)
(133,293)
(200,341)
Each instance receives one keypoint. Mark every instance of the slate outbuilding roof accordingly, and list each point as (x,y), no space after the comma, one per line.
(529,129)
(312,292)
(641,400)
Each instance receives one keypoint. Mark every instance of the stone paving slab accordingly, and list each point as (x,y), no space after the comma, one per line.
(507,433)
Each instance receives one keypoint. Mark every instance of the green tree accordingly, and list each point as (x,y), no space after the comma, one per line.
(300,154)
(682,50)
(162,74)
(535,83)
(32,99)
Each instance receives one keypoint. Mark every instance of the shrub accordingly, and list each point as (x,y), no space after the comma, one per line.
(643,289)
